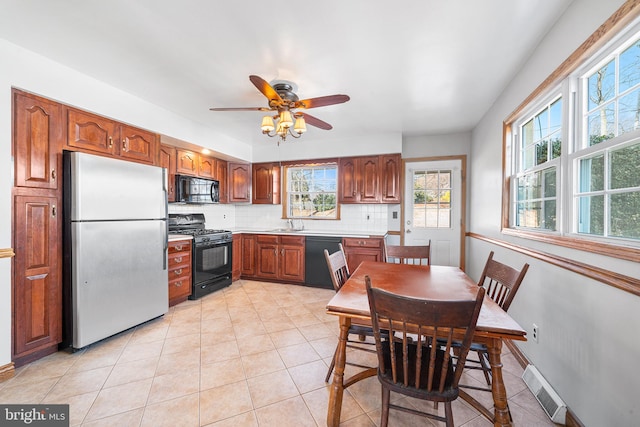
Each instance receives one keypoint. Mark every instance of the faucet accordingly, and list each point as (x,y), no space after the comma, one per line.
(290,223)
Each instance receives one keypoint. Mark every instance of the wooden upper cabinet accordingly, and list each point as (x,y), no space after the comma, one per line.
(239,182)
(370,179)
(206,167)
(347,180)
(38,135)
(391,168)
(186,162)
(221,176)
(359,180)
(266,183)
(137,144)
(167,159)
(91,132)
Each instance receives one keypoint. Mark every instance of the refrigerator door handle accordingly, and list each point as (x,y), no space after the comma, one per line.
(166,245)
(166,219)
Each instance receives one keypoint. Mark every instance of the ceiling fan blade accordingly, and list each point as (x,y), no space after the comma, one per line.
(266,89)
(322,101)
(314,121)
(241,109)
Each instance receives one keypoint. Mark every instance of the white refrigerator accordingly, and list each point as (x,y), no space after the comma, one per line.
(115,246)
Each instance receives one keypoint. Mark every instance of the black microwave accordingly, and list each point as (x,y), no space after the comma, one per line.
(190,189)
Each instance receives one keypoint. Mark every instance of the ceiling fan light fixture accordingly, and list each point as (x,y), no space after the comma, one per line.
(281,130)
(300,126)
(267,124)
(282,101)
(286,121)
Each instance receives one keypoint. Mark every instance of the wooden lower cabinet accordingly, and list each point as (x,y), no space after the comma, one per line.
(274,257)
(37,282)
(363,249)
(236,257)
(248,250)
(179,271)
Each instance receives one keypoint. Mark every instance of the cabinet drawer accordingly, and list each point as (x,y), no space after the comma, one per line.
(179,259)
(179,246)
(362,242)
(267,238)
(179,288)
(292,240)
(180,272)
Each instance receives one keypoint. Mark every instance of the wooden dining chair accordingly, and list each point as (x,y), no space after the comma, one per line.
(337,263)
(419,255)
(501,283)
(415,363)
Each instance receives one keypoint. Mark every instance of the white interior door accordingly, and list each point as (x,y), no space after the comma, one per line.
(432,208)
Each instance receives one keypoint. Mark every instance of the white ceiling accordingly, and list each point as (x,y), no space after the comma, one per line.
(411,66)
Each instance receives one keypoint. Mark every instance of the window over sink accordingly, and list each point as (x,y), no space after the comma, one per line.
(311,191)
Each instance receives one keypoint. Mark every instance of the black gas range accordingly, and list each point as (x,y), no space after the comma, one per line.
(212,251)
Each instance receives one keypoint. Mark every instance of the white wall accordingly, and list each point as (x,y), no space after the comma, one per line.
(294,149)
(26,70)
(436,145)
(588,346)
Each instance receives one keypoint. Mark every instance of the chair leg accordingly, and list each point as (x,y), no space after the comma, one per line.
(331,366)
(448,413)
(486,370)
(384,417)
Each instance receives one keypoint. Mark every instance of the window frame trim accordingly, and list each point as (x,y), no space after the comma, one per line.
(606,33)
(301,164)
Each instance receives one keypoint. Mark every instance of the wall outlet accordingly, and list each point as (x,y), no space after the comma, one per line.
(534,332)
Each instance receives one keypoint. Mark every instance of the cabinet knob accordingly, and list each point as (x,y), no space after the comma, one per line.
(54,211)
(53,174)
(110,142)
(124,145)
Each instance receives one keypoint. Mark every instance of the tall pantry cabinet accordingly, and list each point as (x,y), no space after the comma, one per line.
(38,135)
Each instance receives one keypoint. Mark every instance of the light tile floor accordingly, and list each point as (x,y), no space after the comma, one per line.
(254,354)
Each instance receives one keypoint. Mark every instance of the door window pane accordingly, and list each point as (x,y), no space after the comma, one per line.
(432,199)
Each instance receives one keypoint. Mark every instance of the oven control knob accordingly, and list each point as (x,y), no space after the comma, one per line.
(205,239)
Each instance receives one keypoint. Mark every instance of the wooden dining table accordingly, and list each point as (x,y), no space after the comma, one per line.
(351,303)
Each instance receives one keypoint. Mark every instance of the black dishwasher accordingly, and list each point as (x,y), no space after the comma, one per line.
(316,270)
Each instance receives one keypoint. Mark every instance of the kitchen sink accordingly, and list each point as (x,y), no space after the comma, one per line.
(285,230)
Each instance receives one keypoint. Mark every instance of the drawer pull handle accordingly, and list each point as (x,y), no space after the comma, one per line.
(178,247)
(178,284)
(178,272)
(178,259)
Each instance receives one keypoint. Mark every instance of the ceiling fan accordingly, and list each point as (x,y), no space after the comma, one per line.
(283,102)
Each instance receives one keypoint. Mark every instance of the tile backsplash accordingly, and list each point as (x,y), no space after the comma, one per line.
(353,218)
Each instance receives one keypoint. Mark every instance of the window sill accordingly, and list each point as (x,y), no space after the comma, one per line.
(582,244)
